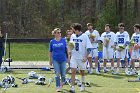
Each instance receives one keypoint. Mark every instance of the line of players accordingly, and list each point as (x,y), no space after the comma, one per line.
(118,43)
(84,46)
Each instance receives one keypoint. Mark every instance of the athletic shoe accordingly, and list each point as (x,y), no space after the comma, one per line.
(105,70)
(72,89)
(127,72)
(117,72)
(113,71)
(97,72)
(133,73)
(82,88)
(58,89)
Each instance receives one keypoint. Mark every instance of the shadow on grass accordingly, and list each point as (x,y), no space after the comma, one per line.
(67,91)
(95,85)
(116,76)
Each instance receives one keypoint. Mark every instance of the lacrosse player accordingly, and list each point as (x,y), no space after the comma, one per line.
(122,42)
(57,57)
(108,38)
(135,43)
(94,38)
(68,35)
(79,53)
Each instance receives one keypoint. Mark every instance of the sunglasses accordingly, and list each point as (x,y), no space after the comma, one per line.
(57,32)
(120,28)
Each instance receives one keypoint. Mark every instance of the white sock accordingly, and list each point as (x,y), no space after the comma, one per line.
(96,69)
(104,68)
(82,79)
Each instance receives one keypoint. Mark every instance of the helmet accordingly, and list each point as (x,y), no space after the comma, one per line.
(32,74)
(41,78)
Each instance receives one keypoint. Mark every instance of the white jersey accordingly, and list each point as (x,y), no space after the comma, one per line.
(111,36)
(96,33)
(122,38)
(135,53)
(136,38)
(108,52)
(82,43)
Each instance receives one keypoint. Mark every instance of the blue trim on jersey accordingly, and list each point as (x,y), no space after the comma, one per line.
(107,32)
(100,41)
(79,35)
(89,50)
(127,43)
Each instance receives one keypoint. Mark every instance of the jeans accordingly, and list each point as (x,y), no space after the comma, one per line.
(60,70)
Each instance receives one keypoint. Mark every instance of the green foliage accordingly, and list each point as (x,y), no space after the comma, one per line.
(111,15)
(37,18)
(107,16)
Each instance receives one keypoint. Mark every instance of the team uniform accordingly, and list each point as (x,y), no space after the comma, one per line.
(121,40)
(108,52)
(135,53)
(94,52)
(81,44)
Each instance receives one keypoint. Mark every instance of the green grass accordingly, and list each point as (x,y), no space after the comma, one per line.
(29,51)
(104,83)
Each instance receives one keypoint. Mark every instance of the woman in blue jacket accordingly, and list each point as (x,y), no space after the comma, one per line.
(57,57)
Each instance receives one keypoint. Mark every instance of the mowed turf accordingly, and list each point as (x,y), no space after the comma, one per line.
(104,83)
(29,51)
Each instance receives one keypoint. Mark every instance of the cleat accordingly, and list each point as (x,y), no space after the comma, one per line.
(82,88)
(72,89)
(58,89)
(98,73)
(105,70)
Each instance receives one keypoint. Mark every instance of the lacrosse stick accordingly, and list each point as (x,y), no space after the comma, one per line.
(133,80)
(51,79)
(25,80)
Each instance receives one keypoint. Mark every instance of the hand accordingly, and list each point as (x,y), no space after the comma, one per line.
(84,59)
(136,47)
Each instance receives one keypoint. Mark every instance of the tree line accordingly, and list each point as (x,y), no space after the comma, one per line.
(37,18)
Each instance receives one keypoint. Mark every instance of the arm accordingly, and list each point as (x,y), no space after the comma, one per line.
(50,53)
(127,40)
(98,38)
(88,47)
(50,58)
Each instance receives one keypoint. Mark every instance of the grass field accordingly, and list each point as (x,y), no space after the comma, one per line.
(29,51)
(104,83)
